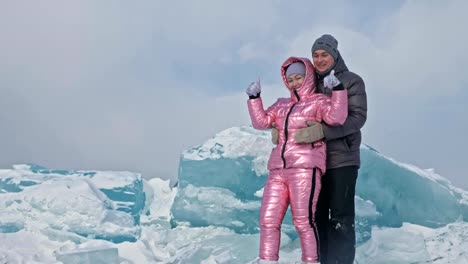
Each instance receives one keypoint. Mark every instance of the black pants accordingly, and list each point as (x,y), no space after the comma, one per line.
(335,216)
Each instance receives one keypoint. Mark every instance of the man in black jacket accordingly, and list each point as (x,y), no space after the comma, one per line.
(336,212)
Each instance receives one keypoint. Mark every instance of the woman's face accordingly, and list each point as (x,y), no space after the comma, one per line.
(295,81)
(323,61)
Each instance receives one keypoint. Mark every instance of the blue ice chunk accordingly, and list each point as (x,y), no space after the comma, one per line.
(404,193)
(397,192)
(204,206)
(9,185)
(235,175)
(90,256)
(43,170)
(129,199)
(121,194)
(10,227)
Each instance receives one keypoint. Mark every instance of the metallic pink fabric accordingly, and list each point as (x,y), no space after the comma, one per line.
(300,188)
(295,169)
(310,107)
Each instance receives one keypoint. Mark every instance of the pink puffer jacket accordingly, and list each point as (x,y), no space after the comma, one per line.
(291,114)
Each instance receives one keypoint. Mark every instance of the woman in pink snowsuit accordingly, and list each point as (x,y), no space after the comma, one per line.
(295,168)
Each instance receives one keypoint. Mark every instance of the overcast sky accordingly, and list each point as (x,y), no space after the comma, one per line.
(119,85)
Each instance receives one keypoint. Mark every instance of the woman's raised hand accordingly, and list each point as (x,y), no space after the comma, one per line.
(254,89)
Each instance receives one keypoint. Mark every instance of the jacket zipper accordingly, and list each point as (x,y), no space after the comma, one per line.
(286,129)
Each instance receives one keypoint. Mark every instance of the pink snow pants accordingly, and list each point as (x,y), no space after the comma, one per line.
(299,188)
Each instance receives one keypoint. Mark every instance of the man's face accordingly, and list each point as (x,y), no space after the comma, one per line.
(323,61)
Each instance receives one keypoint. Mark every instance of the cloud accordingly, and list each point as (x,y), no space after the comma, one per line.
(413,65)
(94,85)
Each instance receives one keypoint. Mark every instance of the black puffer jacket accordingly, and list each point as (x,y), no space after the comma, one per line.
(343,141)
